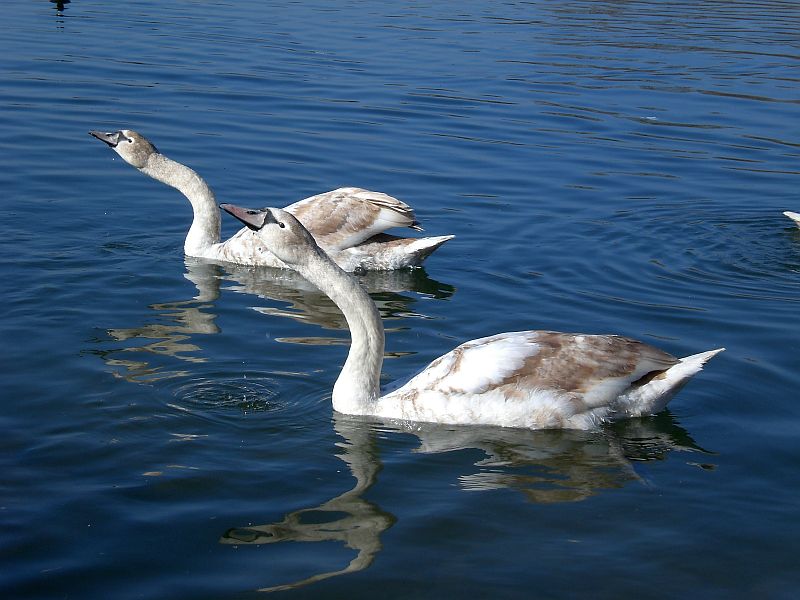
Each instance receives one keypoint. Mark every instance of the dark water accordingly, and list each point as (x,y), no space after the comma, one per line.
(610,167)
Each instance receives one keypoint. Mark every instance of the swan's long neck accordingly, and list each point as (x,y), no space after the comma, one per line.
(358,387)
(205,229)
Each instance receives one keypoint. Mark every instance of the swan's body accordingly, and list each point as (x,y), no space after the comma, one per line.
(348,223)
(793,216)
(532,379)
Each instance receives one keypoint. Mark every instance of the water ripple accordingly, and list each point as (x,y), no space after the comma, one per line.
(220,396)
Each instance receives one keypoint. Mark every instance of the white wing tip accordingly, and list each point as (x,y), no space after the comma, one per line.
(793,216)
(421,248)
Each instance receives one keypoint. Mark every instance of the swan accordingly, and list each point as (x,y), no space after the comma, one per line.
(525,379)
(348,223)
(793,216)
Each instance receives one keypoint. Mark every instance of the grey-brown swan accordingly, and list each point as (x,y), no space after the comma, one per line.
(531,379)
(348,223)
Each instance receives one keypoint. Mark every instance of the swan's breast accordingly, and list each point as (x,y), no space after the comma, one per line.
(244,248)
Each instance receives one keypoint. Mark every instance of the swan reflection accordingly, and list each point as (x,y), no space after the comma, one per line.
(309,305)
(546,467)
(348,518)
(175,325)
(558,465)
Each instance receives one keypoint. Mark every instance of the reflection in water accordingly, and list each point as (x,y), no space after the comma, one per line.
(308,305)
(547,467)
(552,466)
(59,6)
(177,323)
(347,518)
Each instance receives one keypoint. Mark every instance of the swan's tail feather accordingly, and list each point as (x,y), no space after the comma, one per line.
(793,216)
(384,252)
(701,358)
(654,395)
(421,248)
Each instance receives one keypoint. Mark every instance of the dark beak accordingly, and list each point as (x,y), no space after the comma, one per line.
(112,139)
(255,219)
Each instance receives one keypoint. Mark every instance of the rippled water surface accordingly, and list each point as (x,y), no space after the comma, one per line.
(606,167)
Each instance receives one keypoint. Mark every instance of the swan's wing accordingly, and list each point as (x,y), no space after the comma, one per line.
(345,217)
(523,373)
(567,362)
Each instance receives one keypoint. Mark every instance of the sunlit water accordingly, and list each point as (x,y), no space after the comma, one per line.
(606,167)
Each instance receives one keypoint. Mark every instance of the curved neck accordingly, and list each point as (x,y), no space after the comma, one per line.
(358,386)
(205,229)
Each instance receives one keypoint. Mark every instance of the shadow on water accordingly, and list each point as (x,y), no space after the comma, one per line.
(173,330)
(547,467)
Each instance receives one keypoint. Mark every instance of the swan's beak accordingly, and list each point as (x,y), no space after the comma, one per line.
(255,219)
(112,139)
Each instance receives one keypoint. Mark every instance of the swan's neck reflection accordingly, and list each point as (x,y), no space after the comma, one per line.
(347,518)
(546,467)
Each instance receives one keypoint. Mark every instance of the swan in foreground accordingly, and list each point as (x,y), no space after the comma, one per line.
(532,379)
(793,216)
(348,223)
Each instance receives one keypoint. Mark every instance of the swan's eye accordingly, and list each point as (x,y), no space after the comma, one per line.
(281,225)
(130,141)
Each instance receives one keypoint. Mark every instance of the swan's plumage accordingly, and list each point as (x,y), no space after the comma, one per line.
(574,374)
(539,379)
(345,217)
(793,216)
(531,379)
(348,223)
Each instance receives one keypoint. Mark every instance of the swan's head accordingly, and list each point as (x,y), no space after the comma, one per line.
(280,231)
(134,148)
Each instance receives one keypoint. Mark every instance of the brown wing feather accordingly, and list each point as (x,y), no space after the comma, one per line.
(347,216)
(575,363)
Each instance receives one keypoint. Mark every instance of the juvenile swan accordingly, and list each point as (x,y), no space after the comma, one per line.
(532,379)
(348,223)
(793,216)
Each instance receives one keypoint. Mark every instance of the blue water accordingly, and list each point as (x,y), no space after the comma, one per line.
(606,167)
